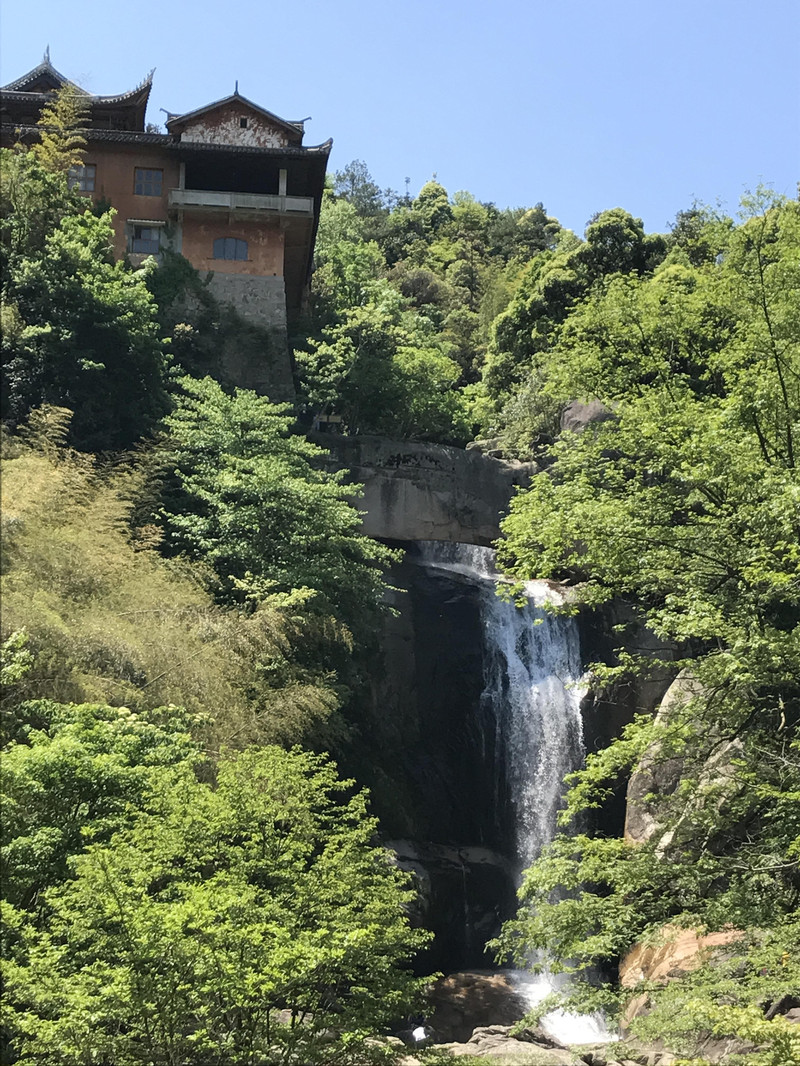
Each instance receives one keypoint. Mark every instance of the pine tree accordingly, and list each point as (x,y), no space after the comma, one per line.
(61,125)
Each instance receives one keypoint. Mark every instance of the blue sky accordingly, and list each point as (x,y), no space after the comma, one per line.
(582,104)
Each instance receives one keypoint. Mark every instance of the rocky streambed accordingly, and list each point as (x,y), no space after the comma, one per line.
(532,1047)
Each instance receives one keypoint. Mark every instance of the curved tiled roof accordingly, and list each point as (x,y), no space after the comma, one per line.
(17,89)
(296,150)
(44,69)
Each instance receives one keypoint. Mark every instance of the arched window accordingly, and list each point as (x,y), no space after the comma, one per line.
(230,248)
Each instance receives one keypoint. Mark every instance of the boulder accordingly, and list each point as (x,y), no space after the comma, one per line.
(576,416)
(493,447)
(677,952)
(658,773)
(494,1042)
(416,490)
(788,1006)
(463,1002)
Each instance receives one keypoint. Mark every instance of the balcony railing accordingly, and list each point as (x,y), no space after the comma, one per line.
(241,201)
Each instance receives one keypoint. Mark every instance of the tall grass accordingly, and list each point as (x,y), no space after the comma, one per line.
(110,620)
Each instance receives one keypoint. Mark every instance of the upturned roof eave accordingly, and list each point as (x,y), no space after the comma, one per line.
(15,89)
(45,67)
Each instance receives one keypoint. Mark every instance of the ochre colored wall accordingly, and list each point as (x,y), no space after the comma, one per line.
(114,180)
(264,244)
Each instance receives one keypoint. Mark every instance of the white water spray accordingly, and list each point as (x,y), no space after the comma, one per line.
(533,686)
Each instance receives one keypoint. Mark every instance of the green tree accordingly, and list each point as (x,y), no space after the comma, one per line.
(243,922)
(382,370)
(699,234)
(61,130)
(685,503)
(347,267)
(617,244)
(415,223)
(80,330)
(516,235)
(78,772)
(760,366)
(550,288)
(33,201)
(355,185)
(433,206)
(254,502)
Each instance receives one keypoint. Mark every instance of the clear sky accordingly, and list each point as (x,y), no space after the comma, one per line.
(582,104)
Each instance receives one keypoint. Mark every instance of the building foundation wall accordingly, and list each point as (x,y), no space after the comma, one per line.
(260,360)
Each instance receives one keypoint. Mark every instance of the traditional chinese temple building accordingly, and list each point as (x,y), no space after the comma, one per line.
(229,185)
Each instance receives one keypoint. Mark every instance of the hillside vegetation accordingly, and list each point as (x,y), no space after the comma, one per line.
(191,610)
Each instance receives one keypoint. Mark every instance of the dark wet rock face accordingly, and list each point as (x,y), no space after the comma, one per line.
(463,895)
(462,1002)
(437,743)
(432,766)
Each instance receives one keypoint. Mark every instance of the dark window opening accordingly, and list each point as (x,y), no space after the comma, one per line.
(243,123)
(235,174)
(230,248)
(82,178)
(147,182)
(146,240)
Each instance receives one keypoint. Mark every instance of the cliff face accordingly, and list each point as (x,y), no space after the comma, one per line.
(431,750)
(430,761)
(419,491)
(434,738)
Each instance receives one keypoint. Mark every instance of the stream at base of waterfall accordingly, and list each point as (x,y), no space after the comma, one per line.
(533,689)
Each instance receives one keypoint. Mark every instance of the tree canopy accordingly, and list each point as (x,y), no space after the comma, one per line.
(685,503)
(254,501)
(79,330)
(246,920)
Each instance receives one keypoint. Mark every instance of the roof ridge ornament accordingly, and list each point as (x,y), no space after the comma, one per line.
(46,56)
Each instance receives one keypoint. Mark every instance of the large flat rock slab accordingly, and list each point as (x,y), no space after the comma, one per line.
(419,491)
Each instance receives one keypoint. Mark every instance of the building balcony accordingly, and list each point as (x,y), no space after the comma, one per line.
(240,202)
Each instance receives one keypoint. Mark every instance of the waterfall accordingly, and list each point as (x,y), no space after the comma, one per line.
(532,680)
(532,692)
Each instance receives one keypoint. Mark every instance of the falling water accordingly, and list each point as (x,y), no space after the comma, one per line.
(532,691)
(532,679)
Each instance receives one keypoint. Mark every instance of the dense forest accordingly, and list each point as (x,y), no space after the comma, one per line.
(190,610)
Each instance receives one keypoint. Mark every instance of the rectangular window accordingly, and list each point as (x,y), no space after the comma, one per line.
(82,178)
(148,182)
(146,240)
(230,248)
